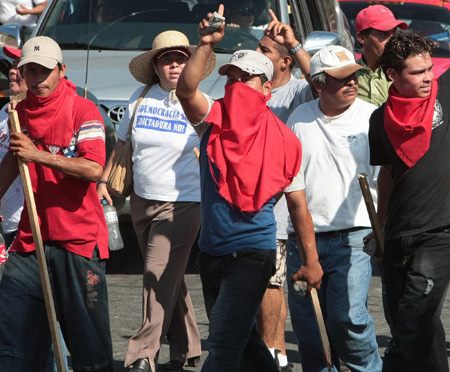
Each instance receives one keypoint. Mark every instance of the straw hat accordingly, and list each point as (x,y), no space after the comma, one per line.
(141,67)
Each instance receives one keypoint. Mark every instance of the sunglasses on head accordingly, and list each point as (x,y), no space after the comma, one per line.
(246,11)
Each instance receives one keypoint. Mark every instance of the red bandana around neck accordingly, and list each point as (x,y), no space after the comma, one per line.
(49,119)
(408,123)
(256,154)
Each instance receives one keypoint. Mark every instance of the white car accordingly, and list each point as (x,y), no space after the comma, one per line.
(100,37)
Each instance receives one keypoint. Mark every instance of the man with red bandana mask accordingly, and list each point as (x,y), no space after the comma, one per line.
(63,143)
(410,138)
(247,158)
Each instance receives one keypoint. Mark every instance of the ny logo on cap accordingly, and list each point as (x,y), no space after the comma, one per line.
(36,48)
(342,56)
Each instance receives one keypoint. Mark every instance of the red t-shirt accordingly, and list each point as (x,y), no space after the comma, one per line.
(69,209)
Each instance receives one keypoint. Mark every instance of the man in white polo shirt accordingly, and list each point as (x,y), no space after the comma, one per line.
(333,131)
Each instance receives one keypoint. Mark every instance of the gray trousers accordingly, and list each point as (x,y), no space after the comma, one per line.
(165,232)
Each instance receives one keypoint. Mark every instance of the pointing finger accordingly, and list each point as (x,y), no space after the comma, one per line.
(273,16)
(221,9)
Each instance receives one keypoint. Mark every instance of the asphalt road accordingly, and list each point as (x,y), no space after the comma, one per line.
(125,285)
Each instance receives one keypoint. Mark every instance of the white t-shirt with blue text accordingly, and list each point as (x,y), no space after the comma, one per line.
(165,167)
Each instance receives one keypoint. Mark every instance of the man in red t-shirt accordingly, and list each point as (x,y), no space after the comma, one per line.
(63,144)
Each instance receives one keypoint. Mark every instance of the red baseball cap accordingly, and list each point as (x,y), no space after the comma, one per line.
(378,17)
(13,53)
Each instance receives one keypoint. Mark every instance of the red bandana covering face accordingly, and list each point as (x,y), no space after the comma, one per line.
(39,115)
(256,154)
(408,123)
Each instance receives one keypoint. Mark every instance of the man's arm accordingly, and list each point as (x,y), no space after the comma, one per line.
(9,170)
(195,104)
(24,149)
(310,271)
(36,10)
(283,34)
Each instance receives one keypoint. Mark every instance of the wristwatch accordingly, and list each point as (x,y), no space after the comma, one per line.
(295,49)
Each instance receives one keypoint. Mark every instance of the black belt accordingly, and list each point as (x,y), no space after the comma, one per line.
(337,232)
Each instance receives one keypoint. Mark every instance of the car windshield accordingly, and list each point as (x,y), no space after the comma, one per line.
(433,21)
(132,25)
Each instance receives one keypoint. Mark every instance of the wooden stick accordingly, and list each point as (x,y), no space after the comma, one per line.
(197,154)
(378,235)
(300,287)
(40,253)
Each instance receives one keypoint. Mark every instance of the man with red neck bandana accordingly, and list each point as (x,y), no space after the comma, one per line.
(63,143)
(410,138)
(247,157)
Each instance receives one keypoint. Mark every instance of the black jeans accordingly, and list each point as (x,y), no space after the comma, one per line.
(81,304)
(233,287)
(417,272)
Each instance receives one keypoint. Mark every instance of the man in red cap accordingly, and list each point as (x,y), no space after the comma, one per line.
(374,27)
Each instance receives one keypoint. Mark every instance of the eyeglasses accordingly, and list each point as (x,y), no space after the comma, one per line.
(246,11)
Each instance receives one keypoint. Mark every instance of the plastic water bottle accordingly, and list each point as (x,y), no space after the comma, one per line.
(3,254)
(115,241)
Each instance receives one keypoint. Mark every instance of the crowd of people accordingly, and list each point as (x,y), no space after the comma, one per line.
(268,178)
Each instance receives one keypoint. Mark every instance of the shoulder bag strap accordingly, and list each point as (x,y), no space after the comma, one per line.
(130,128)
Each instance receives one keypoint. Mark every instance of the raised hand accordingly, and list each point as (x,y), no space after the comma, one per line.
(279,32)
(214,36)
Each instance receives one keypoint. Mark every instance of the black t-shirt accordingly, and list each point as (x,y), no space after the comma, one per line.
(420,196)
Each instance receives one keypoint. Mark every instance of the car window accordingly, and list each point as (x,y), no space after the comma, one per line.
(132,25)
(433,21)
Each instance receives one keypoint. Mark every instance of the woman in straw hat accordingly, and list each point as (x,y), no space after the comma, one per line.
(165,208)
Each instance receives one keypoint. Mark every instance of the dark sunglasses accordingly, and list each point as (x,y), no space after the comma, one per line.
(246,11)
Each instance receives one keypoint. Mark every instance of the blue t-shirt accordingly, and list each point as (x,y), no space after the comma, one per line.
(225,229)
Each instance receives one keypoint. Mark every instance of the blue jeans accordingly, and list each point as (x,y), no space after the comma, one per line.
(233,287)
(417,272)
(343,298)
(81,304)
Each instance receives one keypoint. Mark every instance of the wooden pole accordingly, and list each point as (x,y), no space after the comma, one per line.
(378,235)
(300,287)
(40,253)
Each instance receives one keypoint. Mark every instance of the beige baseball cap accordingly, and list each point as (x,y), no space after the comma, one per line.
(335,61)
(41,50)
(249,61)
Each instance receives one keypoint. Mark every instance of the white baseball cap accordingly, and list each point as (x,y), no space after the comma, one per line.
(250,61)
(41,50)
(335,61)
